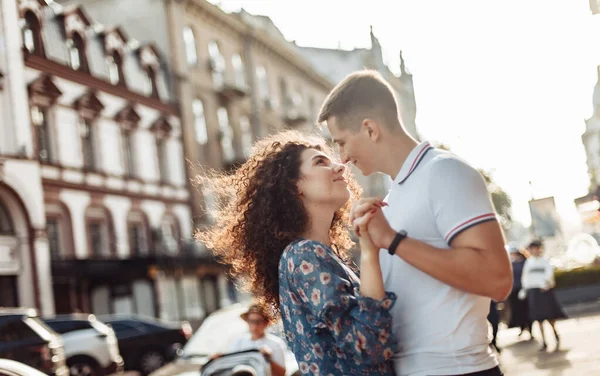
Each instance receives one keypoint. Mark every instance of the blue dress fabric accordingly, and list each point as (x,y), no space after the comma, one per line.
(329,327)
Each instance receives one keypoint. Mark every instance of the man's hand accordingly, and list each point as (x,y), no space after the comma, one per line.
(379,229)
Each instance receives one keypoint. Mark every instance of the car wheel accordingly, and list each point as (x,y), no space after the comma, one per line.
(83,367)
(150,361)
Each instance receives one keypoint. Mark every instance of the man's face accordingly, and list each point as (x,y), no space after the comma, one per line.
(354,147)
(257,325)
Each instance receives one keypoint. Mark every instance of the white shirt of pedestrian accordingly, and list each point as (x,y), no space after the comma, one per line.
(441,330)
(274,343)
(538,273)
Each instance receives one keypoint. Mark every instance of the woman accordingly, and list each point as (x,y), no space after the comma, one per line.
(283,231)
(538,284)
(519,309)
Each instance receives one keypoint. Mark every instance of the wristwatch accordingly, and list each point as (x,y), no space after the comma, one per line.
(400,235)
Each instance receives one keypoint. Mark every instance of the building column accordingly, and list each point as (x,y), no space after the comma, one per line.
(44,272)
(223,288)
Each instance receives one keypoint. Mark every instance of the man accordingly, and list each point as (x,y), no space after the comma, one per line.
(447,256)
(272,347)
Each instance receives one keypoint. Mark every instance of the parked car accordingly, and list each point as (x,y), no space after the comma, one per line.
(146,344)
(215,335)
(90,346)
(13,368)
(27,339)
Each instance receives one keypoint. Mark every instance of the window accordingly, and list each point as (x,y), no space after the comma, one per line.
(138,244)
(54,239)
(115,70)
(6,226)
(40,119)
(98,235)
(217,64)
(163,161)
(246,133)
(226,135)
(238,68)
(312,109)
(263,83)
(283,92)
(128,148)
(87,143)
(169,235)
(152,88)
(189,42)
(31,31)
(77,52)
(199,122)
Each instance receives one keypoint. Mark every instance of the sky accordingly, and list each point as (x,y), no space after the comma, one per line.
(506,84)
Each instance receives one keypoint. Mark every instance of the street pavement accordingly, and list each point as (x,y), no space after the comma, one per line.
(578,354)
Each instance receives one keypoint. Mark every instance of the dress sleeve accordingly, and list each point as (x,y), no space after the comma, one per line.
(361,327)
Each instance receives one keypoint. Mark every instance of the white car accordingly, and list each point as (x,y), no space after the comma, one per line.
(91,347)
(13,368)
(215,335)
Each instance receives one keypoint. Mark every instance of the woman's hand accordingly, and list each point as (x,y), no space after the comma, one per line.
(360,224)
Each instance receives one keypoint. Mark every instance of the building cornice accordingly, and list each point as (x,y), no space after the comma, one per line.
(55,69)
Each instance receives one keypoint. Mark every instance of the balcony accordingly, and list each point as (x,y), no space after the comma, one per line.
(294,116)
(231,90)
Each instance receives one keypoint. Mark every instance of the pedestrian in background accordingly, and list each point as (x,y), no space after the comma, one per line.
(538,286)
(494,319)
(519,308)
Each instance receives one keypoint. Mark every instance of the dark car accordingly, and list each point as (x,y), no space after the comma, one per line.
(147,344)
(26,339)
(90,346)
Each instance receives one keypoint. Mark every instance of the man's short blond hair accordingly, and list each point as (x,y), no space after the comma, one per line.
(360,95)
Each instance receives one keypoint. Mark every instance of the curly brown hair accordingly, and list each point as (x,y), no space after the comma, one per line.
(259,213)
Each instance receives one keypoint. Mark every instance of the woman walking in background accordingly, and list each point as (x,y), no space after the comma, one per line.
(519,308)
(538,284)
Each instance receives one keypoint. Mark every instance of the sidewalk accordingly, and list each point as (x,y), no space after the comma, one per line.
(579,352)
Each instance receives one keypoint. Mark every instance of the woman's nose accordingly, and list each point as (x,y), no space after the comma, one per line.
(339,168)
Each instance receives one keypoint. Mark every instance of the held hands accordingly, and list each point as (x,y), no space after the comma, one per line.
(368,219)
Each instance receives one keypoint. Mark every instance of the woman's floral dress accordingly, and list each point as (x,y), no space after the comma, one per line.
(329,327)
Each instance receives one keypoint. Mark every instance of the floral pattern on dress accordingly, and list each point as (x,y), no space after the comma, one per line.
(330,328)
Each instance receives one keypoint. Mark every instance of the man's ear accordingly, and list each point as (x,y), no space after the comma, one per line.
(371,128)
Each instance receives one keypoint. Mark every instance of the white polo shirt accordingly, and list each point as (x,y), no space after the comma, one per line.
(441,330)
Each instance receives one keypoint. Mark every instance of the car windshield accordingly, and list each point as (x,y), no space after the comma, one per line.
(40,328)
(216,333)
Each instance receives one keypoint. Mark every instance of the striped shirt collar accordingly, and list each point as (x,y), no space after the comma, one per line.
(412,161)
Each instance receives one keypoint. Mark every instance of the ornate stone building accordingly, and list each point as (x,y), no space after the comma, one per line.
(94,200)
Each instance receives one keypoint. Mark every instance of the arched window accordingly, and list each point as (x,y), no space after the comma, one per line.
(100,232)
(200,121)
(115,68)
(189,41)
(77,53)
(32,37)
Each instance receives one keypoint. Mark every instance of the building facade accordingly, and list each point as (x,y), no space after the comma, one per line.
(94,199)
(591,138)
(25,271)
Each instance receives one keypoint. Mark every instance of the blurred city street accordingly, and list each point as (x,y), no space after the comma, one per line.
(579,352)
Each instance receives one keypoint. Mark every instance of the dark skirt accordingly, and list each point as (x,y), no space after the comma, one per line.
(544,306)
(519,311)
